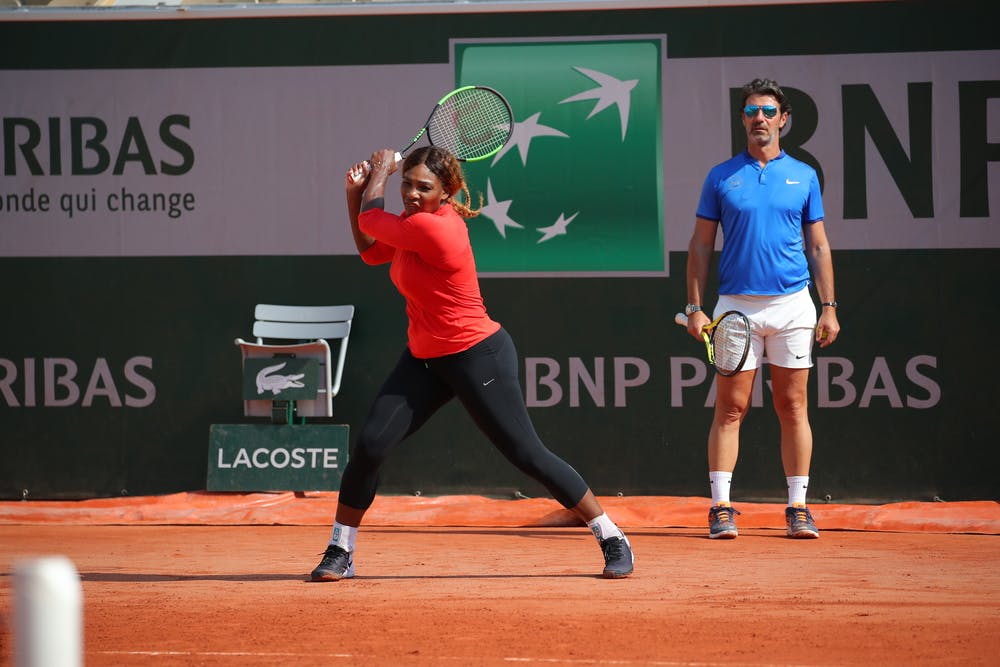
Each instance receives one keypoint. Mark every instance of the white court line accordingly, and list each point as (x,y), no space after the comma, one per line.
(512,659)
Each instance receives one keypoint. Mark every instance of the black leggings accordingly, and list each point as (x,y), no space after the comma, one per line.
(485,380)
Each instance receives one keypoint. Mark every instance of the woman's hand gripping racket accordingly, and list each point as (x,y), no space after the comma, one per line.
(472,123)
(727,340)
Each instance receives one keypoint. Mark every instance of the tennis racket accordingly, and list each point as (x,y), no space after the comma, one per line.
(471,122)
(727,340)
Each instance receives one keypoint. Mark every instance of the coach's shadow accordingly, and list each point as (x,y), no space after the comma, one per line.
(140,577)
(415,577)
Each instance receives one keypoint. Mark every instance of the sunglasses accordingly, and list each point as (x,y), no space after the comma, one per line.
(770,111)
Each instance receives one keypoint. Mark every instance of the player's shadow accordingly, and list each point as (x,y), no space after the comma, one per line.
(141,577)
(571,532)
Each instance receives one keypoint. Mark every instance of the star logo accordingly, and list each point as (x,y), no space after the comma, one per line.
(497,211)
(522,135)
(556,229)
(610,91)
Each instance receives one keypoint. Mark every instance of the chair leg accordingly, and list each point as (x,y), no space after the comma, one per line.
(281,412)
(285,412)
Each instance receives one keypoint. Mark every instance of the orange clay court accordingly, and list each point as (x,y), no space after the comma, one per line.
(222,579)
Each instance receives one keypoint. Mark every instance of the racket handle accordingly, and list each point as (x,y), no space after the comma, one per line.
(681,319)
(356,175)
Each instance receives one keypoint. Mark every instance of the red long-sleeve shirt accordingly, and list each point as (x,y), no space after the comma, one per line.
(434,269)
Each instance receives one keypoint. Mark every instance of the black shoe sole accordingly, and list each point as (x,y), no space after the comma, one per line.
(610,574)
(723,536)
(328,577)
(803,535)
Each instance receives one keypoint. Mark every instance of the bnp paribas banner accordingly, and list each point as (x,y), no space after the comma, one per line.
(155,189)
(601,177)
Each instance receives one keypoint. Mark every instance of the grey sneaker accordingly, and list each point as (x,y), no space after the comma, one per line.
(722,522)
(800,522)
(336,564)
(617,557)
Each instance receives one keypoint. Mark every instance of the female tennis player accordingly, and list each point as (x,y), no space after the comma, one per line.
(453,349)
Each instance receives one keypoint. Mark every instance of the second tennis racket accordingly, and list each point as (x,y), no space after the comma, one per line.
(727,340)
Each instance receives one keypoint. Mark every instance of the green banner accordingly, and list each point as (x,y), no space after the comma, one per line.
(577,188)
(141,220)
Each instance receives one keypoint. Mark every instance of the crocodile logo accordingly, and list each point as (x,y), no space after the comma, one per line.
(277,383)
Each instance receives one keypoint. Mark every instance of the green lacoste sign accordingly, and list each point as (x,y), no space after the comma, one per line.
(578,188)
(267,457)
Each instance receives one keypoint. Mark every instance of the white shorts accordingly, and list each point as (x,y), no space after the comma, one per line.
(782,328)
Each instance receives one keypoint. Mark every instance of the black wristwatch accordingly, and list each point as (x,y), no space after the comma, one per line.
(829,304)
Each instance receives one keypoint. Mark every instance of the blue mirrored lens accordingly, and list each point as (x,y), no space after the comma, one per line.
(770,111)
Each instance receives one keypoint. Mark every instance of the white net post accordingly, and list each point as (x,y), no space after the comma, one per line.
(48,613)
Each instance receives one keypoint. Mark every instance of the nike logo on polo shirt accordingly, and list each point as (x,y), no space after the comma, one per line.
(487,382)
(789,181)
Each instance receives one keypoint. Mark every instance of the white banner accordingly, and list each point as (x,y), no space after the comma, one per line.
(250,161)
(263,153)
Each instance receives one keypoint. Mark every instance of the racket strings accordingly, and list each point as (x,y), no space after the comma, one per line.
(731,340)
(471,124)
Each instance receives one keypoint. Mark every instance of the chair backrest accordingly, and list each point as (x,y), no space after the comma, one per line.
(302,322)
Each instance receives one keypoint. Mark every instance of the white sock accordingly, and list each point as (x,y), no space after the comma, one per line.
(603,528)
(720,482)
(343,536)
(797,487)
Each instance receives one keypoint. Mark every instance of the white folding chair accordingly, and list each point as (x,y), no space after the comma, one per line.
(301,332)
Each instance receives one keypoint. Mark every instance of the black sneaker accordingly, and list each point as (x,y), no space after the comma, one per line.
(617,557)
(336,564)
(722,522)
(799,521)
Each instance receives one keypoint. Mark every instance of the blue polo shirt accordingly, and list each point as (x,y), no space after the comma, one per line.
(762,210)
